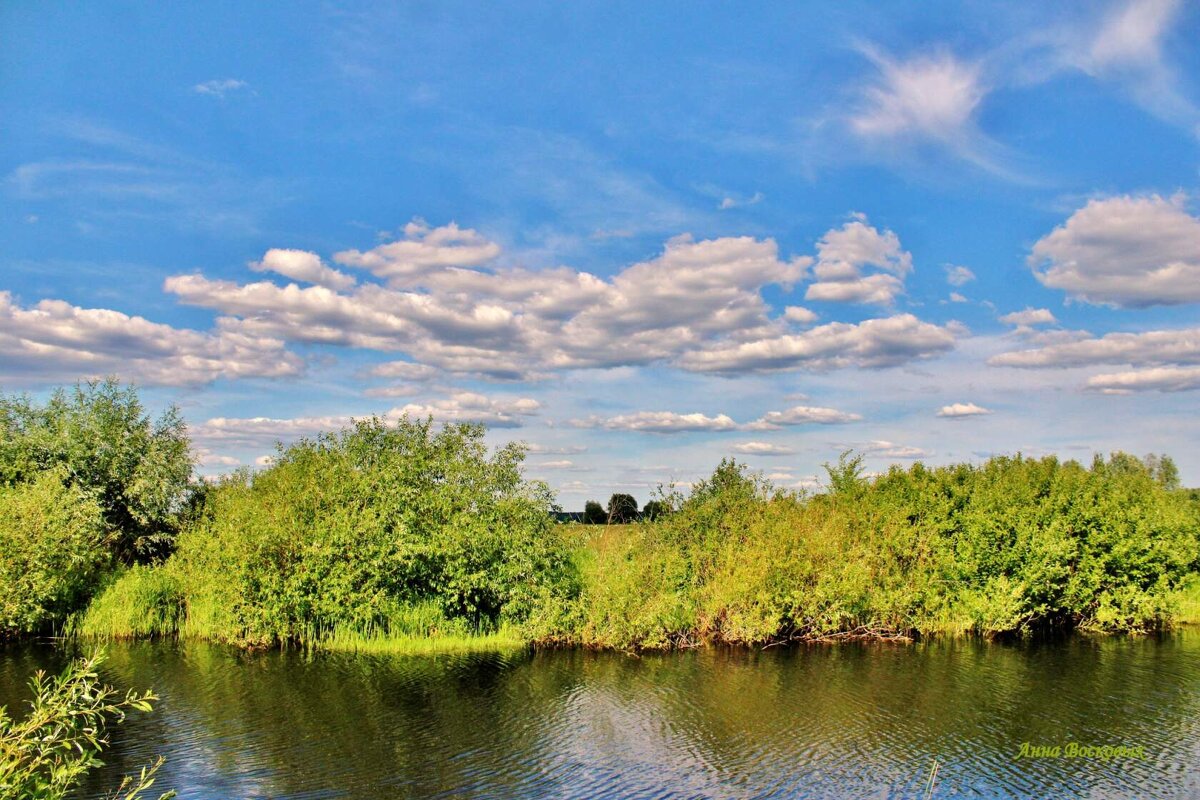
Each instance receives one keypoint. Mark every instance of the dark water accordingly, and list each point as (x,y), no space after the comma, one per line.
(824,721)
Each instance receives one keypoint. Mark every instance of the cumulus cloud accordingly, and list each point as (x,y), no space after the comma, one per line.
(803,415)
(872,343)
(799,315)
(1155,379)
(1138,349)
(958,275)
(263,431)
(54,340)
(886,449)
(546,450)
(842,255)
(304,266)
(422,250)
(1125,251)
(404,370)
(506,412)
(660,422)
(1029,317)
(962,410)
(762,449)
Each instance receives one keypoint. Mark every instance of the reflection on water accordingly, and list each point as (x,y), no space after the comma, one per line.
(819,721)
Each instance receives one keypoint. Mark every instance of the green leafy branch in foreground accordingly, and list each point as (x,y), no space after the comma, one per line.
(46,755)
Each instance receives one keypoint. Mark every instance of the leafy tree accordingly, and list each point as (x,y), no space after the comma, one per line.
(101,440)
(622,509)
(845,477)
(594,513)
(654,509)
(1162,468)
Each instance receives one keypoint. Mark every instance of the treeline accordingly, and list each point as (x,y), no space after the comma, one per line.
(408,533)
(622,509)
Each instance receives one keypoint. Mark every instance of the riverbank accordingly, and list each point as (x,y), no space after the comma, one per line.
(406,537)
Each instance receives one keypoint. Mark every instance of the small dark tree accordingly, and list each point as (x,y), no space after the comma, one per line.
(622,508)
(654,509)
(593,513)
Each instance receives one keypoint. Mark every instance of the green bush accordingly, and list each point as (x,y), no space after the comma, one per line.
(354,530)
(53,548)
(1015,545)
(100,439)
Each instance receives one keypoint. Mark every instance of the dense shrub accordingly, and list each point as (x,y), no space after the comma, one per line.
(99,438)
(1013,545)
(361,529)
(53,548)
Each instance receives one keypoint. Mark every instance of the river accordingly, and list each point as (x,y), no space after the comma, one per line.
(837,721)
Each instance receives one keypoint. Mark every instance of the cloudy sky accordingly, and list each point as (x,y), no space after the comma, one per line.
(637,240)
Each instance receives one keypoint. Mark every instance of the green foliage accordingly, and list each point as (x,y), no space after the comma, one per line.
(53,547)
(361,529)
(99,438)
(1012,546)
(594,513)
(654,509)
(622,509)
(45,755)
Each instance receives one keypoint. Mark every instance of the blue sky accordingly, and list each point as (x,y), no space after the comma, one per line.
(639,240)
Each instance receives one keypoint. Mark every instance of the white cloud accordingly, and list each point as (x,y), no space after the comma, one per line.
(219,88)
(799,315)
(55,340)
(1029,317)
(886,449)
(962,410)
(395,390)
(843,253)
(872,343)
(405,370)
(1139,349)
(803,415)
(932,96)
(568,450)
(1156,379)
(506,412)
(955,297)
(660,422)
(560,465)
(958,275)
(422,250)
(1127,48)
(304,266)
(1132,34)
(263,431)
(730,201)
(762,449)
(1125,251)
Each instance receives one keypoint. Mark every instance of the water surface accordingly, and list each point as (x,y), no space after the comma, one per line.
(850,720)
